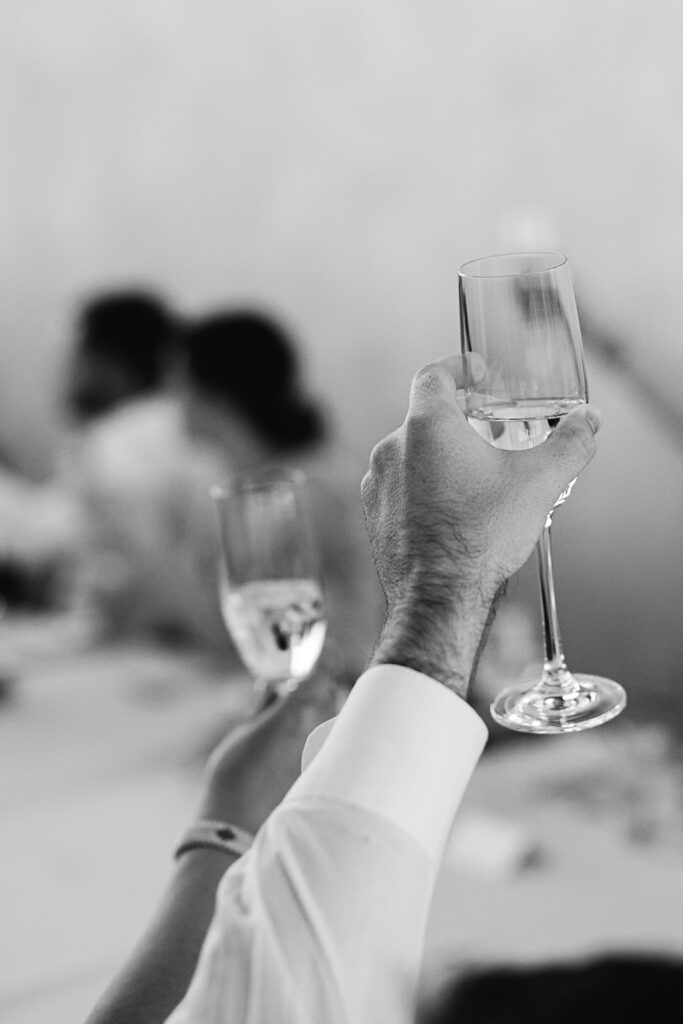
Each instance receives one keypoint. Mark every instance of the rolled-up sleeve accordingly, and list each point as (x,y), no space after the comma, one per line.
(324,919)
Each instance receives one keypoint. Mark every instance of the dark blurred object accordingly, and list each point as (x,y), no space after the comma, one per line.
(29,588)
(246,360)
(39,533)
(613,988)
(538,301)
(122,350)
(39,530)
(25,589)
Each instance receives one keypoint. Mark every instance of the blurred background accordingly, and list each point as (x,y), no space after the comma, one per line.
(337,162)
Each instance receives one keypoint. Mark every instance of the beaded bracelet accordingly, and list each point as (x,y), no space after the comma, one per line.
(214,835)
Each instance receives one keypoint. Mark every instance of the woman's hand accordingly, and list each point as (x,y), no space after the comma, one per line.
(250,771)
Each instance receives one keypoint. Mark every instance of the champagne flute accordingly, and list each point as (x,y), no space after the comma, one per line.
(518,312)
(270,593)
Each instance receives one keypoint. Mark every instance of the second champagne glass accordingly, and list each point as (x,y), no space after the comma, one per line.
(270,590)
(518,313)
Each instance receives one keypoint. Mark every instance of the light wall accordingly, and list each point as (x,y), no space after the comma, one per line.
(339,160)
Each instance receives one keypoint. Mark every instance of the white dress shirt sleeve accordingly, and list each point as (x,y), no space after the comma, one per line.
(323,920)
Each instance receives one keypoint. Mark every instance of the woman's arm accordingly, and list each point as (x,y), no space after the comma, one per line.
(157,975)
(247,776)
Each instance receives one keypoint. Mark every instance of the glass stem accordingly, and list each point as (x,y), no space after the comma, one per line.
(554,669)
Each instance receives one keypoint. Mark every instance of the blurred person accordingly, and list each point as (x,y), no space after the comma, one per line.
(245,396)
(322,917)
(39,532)
(123,348)
(135,473)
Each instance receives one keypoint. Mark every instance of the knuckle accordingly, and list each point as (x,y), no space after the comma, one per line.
(419,421)
(422,431)
(383,453)
(429,378)
(377,459)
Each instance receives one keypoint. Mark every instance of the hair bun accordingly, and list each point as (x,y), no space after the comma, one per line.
(247,361)
(294,424)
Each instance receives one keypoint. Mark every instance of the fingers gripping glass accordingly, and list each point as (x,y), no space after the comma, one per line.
(518,313)
(270,590)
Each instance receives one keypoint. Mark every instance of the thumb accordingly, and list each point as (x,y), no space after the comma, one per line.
(571,446)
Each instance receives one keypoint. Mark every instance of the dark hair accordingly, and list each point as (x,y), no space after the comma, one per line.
(626,987)
(247,360)
(129,334)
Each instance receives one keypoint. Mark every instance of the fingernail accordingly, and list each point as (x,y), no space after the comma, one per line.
(594,417)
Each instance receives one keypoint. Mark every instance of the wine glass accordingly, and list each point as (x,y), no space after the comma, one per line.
(270,592)
(518,313)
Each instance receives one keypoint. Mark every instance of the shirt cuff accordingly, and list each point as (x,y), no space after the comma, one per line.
(403,747)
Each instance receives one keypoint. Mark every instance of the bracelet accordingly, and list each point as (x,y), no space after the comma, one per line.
(214,835)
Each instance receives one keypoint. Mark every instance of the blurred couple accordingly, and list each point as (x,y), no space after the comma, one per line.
(161,407)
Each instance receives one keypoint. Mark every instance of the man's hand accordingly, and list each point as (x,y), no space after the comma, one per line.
(450,518)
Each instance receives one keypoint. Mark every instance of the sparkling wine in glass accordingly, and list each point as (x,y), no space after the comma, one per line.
(270,590)
(518,313)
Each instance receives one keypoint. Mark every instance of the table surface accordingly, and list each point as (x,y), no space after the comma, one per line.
(562,847)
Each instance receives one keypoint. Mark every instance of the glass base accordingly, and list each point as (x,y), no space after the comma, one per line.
(544,709)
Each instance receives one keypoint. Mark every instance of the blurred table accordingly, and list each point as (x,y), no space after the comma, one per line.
(100,755)
(562,847)
(589,830)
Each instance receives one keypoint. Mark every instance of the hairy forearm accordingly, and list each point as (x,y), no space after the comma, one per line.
(157,975)
(437,634)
